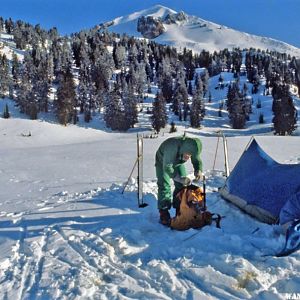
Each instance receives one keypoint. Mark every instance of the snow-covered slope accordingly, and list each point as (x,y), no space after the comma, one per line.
(8,47)
(68,232)
(197,34)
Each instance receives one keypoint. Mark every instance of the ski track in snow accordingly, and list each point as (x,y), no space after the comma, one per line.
(95,258)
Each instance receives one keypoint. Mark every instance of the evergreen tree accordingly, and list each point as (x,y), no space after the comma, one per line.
(6,113)
(1,24)
(9,26)
(119,55)
(205,79)
(15,68)
(236,107)
(66,97)
(42,82)
(102,68)
(197,108)
(237,117)
(159,114)
(25,97)
(130,106)
(167,87)
(180,98)
(137,77)
(4,76)
(196,111)
(114,112)
(285,114)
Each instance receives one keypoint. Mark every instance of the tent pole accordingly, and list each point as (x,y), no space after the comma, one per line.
(252,138)
(227,172)
(140,152)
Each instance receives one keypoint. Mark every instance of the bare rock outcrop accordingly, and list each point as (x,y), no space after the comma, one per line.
(150,27)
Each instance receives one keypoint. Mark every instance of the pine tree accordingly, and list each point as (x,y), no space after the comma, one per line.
(24,85)
(66,97)
(197,108)
(9,25)
(236,107)
(195,117)
(1,24)
(15,68)
(42,82)
(159,113)
(138,77)
(114,112)
(205,79)
(167,87)
(130,106)
(285,114)
(6,113)
(180,98)
(4,76)
(119,55)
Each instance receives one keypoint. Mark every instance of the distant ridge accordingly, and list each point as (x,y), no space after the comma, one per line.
(181,30)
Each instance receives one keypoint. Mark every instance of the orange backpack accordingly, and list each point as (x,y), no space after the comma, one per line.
(192,211)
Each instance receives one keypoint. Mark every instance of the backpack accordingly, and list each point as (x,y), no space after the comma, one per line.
(192,212)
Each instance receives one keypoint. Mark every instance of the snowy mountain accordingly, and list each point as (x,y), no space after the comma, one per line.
(181,30)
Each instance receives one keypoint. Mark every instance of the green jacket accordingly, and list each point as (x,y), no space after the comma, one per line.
(169,154)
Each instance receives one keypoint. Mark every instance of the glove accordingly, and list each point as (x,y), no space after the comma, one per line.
(198,175)
(185,181)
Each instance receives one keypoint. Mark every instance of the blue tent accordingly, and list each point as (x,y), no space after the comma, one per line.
(261,186)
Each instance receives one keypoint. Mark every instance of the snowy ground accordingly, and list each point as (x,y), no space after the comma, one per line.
(68,232)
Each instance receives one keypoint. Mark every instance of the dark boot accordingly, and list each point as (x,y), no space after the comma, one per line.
(165,217)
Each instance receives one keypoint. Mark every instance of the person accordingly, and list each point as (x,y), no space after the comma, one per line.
(169,164)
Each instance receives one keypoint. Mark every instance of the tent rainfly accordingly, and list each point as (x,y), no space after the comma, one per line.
(261,186)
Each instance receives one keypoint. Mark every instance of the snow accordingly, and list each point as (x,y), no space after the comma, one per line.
(68,232)
(8,47)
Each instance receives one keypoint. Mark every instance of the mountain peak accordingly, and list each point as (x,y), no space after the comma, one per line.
(181,30)
(158,11)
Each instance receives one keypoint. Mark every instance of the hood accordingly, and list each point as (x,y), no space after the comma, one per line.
(191,145)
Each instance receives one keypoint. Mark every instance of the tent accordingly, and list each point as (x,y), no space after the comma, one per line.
(261,186)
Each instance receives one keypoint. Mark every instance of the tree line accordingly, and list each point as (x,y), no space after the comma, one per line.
(97,71)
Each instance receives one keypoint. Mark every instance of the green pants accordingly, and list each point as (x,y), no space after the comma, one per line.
(165,197)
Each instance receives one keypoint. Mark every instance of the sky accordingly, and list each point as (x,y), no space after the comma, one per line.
(277,19)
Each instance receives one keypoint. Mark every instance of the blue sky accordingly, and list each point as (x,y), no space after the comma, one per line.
(278,19)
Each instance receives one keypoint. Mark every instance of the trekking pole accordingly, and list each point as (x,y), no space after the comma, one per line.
(204,192)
